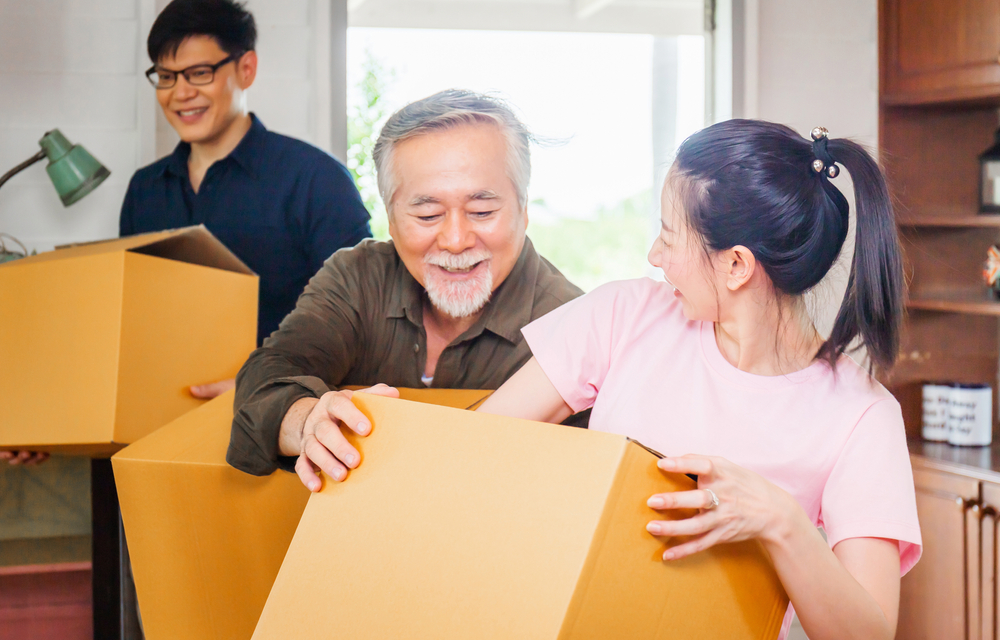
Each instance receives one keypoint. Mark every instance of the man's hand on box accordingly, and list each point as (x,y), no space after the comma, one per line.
(735,504)
(212,389)
(23,458)
(313,429)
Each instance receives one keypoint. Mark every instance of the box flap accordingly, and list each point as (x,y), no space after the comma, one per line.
(728,591)
(194,245)
(455,525)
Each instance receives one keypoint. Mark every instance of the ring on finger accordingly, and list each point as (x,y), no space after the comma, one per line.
(715,499)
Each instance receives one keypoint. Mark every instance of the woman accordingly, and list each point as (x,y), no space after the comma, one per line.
(723,371)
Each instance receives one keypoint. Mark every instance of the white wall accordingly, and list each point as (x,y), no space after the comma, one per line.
(72,65)
(817,64)
(77,65)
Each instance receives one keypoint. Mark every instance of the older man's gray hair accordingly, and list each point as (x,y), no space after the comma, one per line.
(446,109)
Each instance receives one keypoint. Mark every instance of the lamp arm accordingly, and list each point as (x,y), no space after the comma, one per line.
(21,167)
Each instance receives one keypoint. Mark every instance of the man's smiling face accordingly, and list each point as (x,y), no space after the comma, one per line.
(200,114)
(454,217)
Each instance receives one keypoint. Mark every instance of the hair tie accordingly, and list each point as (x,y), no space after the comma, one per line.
(824,161)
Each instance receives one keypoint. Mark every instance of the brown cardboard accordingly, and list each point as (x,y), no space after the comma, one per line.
(99,342)
(206,540)
(461,525)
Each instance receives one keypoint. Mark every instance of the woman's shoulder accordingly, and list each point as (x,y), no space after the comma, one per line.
(858,392)
(856,377)
(637,292)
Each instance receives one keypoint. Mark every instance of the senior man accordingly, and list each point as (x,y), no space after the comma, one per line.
(441,305)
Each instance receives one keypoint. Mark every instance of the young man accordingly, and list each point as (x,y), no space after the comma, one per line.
(281,205)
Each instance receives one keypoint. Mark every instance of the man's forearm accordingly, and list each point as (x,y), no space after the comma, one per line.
(290,435)
(267,387)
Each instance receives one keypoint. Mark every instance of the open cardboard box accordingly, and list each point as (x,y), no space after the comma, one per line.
(463,525)
(100,342)
(206,541)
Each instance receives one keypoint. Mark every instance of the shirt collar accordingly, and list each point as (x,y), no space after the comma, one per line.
(177,163)
(407,297)
(509,308)
(248,153)
(507,312)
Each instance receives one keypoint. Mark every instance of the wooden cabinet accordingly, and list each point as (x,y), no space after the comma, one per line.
(940,93)
(939,50)
(941,596)
(990,558)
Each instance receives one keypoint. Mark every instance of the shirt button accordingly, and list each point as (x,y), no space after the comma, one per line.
(416,347)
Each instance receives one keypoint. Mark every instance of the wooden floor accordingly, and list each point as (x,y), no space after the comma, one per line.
(39,602)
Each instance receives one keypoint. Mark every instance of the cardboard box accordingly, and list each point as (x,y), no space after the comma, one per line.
(206,540)
(460,525)
(100,342)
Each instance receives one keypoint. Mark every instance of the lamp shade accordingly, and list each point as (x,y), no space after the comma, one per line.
(73,171)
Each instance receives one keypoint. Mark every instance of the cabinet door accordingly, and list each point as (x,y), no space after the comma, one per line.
(991,568)
(939,50)
(940,596)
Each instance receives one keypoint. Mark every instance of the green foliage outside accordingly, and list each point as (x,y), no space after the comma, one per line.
(364,121)
(611,246)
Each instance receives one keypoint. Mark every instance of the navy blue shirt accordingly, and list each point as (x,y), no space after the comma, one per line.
(281,205)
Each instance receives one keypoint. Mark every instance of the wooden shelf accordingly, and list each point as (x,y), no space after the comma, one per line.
(963,221)
(974,302)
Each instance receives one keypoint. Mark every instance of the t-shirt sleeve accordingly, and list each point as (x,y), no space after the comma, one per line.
(870,493)
(574,343)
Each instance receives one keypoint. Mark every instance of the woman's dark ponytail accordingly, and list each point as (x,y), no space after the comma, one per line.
(763,186)
(873,305)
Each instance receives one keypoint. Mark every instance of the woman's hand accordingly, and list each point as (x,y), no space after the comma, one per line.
(748,505)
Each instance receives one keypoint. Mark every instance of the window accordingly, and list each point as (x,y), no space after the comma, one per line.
(609,108)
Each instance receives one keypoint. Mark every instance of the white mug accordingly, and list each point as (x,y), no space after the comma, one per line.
(937,397)
(970,415)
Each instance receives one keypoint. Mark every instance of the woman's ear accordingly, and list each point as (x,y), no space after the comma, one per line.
(740,265)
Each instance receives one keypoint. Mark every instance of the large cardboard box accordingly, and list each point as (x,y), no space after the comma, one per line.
(100,342)
(206,540)
(461,525)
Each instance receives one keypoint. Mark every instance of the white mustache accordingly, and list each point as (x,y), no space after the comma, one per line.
(463,260)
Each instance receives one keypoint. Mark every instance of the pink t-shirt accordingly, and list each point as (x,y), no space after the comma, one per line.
(834,441)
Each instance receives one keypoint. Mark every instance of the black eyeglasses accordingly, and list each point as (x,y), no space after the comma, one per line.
(198,75)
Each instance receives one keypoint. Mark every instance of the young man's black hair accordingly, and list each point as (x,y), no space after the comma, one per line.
(227,21)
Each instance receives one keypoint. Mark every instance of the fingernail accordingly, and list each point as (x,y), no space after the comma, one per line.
(314,486)
(653,528)
(656,502)
(363,428)
(339,474)
(667,463)
(351,459)
(668,555)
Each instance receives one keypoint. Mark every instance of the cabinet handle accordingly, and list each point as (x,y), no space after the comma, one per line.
(967,504)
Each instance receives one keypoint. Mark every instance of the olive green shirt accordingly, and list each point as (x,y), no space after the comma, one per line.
(360,322)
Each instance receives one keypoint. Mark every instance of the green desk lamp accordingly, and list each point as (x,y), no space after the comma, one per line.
(73,171)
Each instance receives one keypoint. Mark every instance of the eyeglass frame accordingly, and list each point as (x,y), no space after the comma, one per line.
(183,72)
